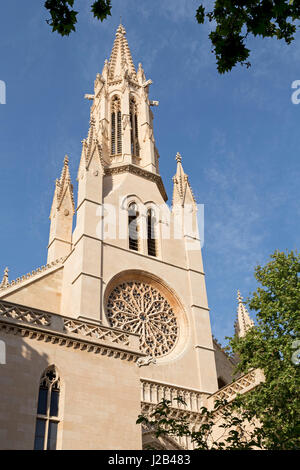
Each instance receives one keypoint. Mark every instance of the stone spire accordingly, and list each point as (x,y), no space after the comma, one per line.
(5,281)
(61,216)
(64,184)
(120,61)
(243,321)
(182,191)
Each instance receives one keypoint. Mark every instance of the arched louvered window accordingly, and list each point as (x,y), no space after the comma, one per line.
(116,126)
(47,419)
(135,148)
(151,233)
(133,228)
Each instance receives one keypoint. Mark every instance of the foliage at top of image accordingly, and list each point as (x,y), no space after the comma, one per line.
(237,19)
(234,22)
(64,18)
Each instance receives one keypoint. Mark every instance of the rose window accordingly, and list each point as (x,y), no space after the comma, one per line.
(140,308)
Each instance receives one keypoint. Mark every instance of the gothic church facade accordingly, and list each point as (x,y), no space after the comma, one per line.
(118,318)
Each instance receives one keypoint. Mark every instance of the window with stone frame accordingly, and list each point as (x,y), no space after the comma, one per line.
(133,227)
(116,126)
(47,418)
(151,233)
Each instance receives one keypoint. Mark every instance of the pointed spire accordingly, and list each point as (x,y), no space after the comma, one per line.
(89,146)
(244,321)
(120,60)
(61,216)
(62,185)
(5,281)
(181,184)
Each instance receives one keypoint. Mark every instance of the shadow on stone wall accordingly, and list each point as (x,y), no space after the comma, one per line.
(19,387)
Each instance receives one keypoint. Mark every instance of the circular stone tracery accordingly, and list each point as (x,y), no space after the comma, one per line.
(140,308)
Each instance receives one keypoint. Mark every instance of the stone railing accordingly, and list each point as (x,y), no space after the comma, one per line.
(24,314)
(96,332)
(153,392)
(242,385)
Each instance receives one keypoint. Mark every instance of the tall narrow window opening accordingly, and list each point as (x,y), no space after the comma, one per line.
(116,126)
(135,148)
(151,238)
(133,227)
(47,419)
(113,133)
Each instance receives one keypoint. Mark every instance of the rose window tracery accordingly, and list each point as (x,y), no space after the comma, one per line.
(140,308)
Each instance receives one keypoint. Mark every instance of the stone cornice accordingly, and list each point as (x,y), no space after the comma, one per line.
(64,331)
(242,385)
(135,170)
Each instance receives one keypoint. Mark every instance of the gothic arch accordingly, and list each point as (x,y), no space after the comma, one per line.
(153,229)
(116,124)
(49,410)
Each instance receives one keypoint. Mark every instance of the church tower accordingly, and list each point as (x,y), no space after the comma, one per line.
(135,263)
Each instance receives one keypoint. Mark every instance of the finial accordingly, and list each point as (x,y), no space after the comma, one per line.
(121,29)
(178,157)
(5,281)
(243,318)
(66,160)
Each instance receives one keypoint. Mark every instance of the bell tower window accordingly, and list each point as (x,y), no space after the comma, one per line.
(47,419)
(135,148)
(116,126)
(133,227)
(151,239)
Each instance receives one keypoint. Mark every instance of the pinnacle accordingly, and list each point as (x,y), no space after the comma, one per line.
(243,318)
(65,174)
(239,297)
(181,184)
(5,281)
(120,60)
(121,30)
(63,183)
(178,158)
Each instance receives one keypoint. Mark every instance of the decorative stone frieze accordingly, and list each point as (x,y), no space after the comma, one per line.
(62,331)
(24,314)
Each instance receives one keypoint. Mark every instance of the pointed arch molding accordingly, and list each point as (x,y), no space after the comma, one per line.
(140,302)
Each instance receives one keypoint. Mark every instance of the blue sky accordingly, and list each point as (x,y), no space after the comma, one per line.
(238,133)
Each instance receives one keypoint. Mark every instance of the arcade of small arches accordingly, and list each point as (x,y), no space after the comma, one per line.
(134,236)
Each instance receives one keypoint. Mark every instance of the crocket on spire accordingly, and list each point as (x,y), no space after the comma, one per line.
(120,59)
(5,281)
(182,191)
(243,322)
